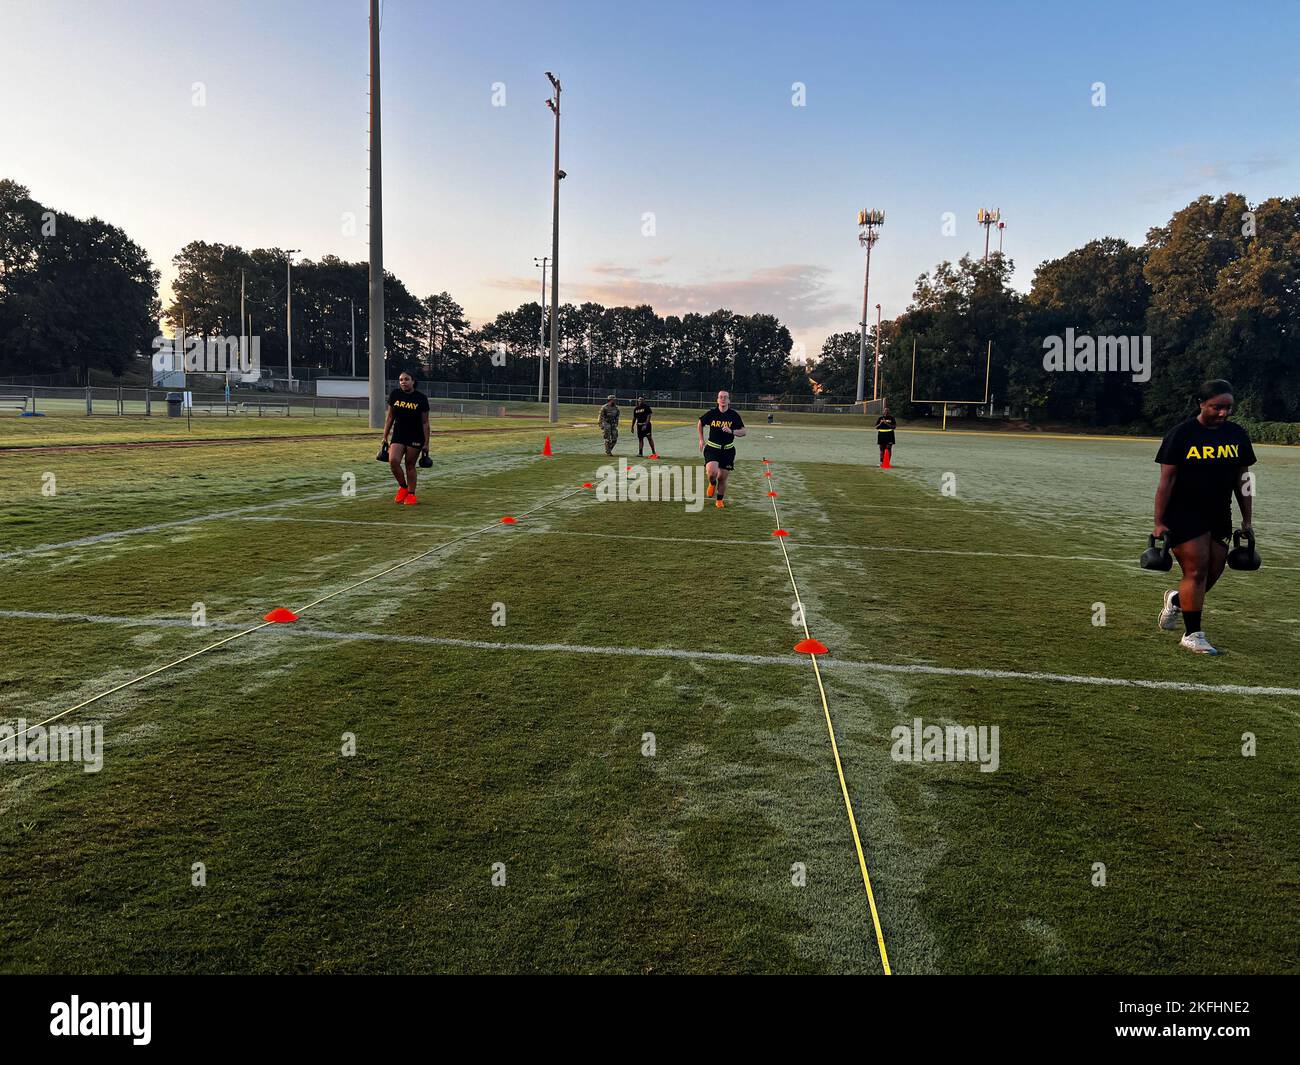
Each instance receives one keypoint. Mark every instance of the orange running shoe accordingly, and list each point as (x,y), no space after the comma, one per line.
(402,493)
(410,500)
(709,491)
(719,503)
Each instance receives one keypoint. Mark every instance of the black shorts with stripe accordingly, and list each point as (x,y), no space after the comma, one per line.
(1188,525)
(725,457)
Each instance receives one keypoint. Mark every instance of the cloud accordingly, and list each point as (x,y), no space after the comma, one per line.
(799,294)
(1212,175)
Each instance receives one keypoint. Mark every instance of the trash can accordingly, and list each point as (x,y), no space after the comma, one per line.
(175,404)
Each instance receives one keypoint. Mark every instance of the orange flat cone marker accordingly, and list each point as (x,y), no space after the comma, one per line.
(811,647)
(508,520)
(587,484)
(546,448)
(885,465)
(767,473)
(280,615)
(772,494)
(654,456)
(779,532)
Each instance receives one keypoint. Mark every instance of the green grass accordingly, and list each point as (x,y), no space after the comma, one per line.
(615,861)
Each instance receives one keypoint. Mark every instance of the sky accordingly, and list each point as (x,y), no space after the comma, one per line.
(700,176)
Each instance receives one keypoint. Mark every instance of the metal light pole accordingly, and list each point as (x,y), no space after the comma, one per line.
(868,223)
(288,307)
(541,350)
(875,388)
(375,325)
(554,104)
(1001,227)
(353,305)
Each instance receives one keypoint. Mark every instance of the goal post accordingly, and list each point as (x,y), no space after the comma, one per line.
(945,403)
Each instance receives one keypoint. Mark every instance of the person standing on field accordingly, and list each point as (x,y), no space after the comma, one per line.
(406,435)
(1204,462)
(609,414)
(641,422)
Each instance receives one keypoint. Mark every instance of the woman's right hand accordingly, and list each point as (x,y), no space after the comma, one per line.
(1160,531)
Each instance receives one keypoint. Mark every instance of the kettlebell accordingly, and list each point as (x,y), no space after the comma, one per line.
(1157,555)
(383,453)
(425,461)
(1243,555)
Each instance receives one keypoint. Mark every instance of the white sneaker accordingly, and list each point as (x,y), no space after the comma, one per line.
(1196,641)
(1170,616)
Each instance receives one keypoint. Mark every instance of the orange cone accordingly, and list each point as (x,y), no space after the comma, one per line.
(885,465)
(281,615)
(811,647)
(546,448)
(508,520)
(779,532)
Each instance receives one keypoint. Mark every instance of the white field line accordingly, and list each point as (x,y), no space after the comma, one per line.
(792,542)
(299,631)
(219,515)
(300,610)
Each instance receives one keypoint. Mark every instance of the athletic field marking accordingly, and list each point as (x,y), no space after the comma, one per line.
(832,665)
(300,610)
(237,513)
(1127,562)
(835,747)
(351,521)
(99,538)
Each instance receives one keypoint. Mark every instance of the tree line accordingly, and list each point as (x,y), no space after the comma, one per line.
(1216,290)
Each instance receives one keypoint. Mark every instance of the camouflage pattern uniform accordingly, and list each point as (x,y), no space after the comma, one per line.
(609,414)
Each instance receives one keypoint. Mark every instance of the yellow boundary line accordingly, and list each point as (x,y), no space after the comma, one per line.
(301,610)
(835,750)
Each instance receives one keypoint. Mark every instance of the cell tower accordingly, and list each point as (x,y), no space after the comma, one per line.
(988,219)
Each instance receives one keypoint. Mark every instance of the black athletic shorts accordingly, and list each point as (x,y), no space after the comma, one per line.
(642,431)
(417,444)
(884,439)
(725,457)
(1188,526)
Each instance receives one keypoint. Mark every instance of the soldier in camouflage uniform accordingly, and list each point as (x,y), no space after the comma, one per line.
(609,424)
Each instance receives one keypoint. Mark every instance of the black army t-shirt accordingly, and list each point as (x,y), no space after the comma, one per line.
(1209,462)
(885,425)
(408,411)
(714,419)
(641,415)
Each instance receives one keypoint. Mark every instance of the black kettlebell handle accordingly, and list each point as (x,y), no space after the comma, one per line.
(1249,534)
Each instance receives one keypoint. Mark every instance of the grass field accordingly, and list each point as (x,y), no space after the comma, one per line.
(522,746)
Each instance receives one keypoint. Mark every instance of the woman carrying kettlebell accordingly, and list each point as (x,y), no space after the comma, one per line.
(1204,461)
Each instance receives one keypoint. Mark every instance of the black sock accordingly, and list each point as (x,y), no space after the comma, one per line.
(1192,620)
(1173,601)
